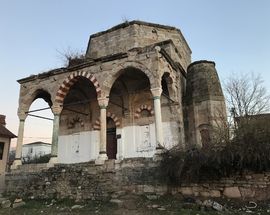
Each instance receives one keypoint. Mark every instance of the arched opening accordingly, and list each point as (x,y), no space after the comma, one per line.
(80,108)
(132,101)
(70,81)
(171,113)
(38,129)
(166,84)
(111,146)
(205,138)
(130,90)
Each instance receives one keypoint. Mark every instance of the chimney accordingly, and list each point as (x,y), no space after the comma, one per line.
(3,120)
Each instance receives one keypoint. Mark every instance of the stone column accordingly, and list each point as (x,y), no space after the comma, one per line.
(54,148)
(18,154)
(103,103)
(156,92)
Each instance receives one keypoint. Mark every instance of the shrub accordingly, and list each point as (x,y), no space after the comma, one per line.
(249,150)
(37,159)
(72,57)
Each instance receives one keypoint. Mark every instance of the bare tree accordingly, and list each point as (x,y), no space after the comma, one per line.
(246,95)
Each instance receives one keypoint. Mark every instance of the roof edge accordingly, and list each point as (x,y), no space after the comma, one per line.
(200,62)
(127,23)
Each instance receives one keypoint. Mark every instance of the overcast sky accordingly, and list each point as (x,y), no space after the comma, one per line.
(233,33)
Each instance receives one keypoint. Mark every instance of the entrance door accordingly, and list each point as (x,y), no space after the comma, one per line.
(111,146)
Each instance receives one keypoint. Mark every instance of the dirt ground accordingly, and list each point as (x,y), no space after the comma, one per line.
(138,205)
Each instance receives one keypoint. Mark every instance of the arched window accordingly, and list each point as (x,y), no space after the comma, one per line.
(145,113)
(205,137)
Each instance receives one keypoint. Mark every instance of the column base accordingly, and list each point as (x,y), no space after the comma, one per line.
(16,163)
(101,159)
(119,157)
(52,161)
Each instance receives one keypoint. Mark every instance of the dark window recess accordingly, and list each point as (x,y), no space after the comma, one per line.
(1,150)
(205,137)
(164,85)
(145,113)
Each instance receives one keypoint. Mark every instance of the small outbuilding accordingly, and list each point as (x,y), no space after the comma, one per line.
(5,138)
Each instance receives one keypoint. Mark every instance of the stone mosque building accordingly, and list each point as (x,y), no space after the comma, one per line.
(134,93)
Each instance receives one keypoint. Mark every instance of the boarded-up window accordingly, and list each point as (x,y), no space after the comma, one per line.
(1,150)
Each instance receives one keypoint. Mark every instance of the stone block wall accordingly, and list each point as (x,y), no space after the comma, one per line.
(128,35)
(250,186)
(86,181)
(205,103)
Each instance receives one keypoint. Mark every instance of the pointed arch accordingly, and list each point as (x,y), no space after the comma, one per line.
(42,94)
(71,80)
(121,67)
(32,95)
(168,84)
(112,116)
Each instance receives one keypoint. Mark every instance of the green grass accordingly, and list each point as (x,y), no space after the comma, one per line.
(140,206)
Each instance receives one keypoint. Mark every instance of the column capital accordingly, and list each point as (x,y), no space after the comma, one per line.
(156,92)
(157,48)
(103,102)
(21,114)
(56,109)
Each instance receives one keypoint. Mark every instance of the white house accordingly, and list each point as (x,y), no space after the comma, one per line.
(35,150)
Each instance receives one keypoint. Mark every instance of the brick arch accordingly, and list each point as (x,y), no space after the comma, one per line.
(71,80)
(117,71)
(112,116)
(144,107)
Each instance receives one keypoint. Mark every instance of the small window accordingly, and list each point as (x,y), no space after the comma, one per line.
(205,137)
(1,150)
(145,113)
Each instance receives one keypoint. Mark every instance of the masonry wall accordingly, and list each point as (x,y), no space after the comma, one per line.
(138,176)
(205,102)
(136,34)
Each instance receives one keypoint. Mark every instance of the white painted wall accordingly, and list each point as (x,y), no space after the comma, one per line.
(78,147)
(135,141)
(35,150)
(171,134)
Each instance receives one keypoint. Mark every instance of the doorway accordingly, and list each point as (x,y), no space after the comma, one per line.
(111,146)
